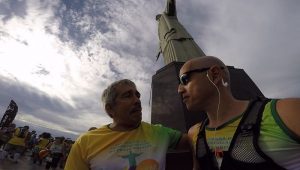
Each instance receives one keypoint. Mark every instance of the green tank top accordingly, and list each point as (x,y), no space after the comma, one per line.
(275,139)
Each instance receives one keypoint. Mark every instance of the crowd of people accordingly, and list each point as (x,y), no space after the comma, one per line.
(16,142)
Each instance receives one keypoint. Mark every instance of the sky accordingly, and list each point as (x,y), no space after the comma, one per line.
(56,57)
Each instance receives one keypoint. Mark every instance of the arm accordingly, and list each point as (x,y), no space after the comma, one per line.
(183,144)
(48,145)
(289,110)
(75,160)
(191,134)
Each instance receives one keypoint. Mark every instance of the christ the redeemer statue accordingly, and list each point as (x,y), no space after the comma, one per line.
(176,44)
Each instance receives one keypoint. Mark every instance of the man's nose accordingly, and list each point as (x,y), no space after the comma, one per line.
(137,99)
(180,89)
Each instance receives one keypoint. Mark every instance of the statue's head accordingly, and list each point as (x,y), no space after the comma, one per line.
(157,17)
(170,8)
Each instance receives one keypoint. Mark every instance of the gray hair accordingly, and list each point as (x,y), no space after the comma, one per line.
(109,95)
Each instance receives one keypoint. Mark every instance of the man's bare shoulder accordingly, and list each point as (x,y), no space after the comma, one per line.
(288,110)
(194,130)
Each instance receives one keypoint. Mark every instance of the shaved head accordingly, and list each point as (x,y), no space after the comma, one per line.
(204,61)
(202,79)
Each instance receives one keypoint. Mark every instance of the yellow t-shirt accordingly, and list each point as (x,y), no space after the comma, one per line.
(15,140)
(43,143)
(142,148)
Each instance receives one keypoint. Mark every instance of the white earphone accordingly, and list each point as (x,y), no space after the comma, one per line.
(211,80)
(225,84)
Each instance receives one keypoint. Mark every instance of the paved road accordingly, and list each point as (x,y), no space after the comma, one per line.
(25,163)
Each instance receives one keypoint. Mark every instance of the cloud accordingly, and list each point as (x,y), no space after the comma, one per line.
(12,8)
(260,37)
(39,108)
(41,71)
(69,58)
(58,56)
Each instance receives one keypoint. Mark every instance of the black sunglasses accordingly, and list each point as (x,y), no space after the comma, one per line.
(184,78)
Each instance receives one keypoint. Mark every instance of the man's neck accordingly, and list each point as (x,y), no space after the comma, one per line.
(228,109)
(119,127)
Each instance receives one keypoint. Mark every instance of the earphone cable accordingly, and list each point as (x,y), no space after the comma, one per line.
(218,107)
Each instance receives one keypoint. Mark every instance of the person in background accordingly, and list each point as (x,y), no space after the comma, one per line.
(237,134)
(127,142)
(17,143)
(42,142)
(68,145)
(6,134)
(57,150)
(33,140)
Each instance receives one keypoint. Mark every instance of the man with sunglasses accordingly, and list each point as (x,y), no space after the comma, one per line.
(237,134)
(127,142)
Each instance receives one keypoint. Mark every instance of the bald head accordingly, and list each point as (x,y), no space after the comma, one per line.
(204,62)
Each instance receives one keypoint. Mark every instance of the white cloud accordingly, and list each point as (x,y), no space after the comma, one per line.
(71,53)
(260,37)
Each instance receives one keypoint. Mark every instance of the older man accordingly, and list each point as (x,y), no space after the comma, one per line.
(237,134)
(127,142)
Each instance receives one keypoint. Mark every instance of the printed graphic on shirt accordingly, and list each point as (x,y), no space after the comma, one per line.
(219,146)
(131,151)
(219,140)
(132,155)
(143,148)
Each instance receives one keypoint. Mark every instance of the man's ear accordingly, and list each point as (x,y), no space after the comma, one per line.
(216,74)
(109,110)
